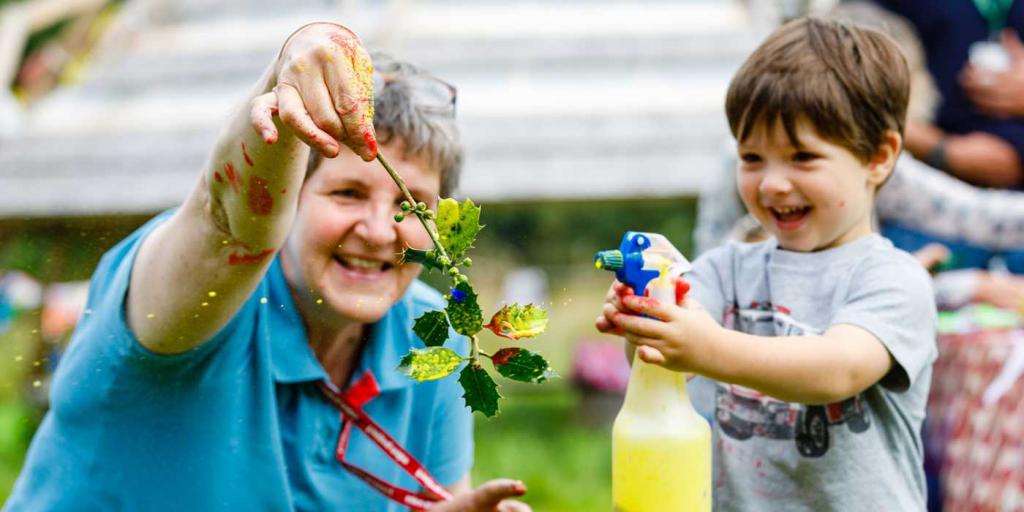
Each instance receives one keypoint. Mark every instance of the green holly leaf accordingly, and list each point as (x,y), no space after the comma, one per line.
(426,258)
(433,363)
(523,365)
(432,328)
(457,226)
(481,391)
(515,321)
(464,311)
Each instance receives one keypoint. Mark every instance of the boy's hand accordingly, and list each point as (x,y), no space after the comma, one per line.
(323,92)
(676,337)
(491,496)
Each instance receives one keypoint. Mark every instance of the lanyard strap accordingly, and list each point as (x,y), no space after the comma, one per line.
(352,414)
(995,13)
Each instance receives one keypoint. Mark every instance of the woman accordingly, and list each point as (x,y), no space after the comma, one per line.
(194,378)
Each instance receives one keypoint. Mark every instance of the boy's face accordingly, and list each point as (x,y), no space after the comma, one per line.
(810,198)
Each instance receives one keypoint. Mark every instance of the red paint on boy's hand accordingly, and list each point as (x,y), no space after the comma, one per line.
(682,288)
(259,198)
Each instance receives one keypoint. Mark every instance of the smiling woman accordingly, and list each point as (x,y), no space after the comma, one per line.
(221,334)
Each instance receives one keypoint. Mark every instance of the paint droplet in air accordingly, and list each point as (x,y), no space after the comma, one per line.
(37,383)
(211,293)
(263,300)
(319,301)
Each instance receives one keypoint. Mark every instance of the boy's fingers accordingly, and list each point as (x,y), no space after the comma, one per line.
(651,355)
(649,306)
(604,325)
(293,114)
(640,326)
(261,115)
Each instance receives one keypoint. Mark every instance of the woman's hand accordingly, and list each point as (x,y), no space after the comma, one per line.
(489,497)
(323,92)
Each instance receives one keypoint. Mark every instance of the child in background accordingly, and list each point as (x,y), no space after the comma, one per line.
(822,337)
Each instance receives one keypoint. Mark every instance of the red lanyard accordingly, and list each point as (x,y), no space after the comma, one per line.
(350,404)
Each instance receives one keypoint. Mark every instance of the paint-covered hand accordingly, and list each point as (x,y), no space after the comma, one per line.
(323,92)
(489,497)
(675,336)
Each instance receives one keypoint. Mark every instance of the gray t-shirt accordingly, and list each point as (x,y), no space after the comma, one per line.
(863,453)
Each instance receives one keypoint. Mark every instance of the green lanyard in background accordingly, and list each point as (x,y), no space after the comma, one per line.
(995,13)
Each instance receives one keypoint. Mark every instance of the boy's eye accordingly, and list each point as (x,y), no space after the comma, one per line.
(804,156)
(750,158)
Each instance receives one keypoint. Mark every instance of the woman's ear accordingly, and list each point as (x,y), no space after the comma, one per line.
(881,165)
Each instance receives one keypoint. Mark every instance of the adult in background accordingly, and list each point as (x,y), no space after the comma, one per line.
(193,382)
(974,54)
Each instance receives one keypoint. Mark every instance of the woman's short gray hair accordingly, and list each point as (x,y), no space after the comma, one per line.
(425,130)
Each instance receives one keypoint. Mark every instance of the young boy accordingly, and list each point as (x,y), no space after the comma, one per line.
(822,337)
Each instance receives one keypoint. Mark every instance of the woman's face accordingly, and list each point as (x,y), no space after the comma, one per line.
(344,248)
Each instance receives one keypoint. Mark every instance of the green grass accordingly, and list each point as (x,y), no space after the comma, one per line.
(536,439)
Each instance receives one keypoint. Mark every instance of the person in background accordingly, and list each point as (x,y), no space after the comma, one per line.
(974,55)
(201,376)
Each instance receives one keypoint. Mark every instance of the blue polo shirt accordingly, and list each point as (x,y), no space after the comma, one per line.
(947,29)
(235,424)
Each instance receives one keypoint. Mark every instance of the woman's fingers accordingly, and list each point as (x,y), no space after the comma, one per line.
(262,116)
(349,74)
(293,113)
(484,498)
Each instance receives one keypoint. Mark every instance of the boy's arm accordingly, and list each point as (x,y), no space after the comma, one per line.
(194,272)
(823,369)
(840,363)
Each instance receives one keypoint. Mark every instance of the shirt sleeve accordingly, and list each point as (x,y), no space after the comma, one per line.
(711,281)
(893,301)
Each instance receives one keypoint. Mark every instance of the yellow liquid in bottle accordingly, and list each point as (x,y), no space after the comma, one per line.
(661,446)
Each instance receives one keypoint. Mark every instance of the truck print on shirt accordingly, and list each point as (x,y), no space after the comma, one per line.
(743,413)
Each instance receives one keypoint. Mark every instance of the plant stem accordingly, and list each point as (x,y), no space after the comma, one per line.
(476,347)
(408,197)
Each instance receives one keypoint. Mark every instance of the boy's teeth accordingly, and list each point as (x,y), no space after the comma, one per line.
(789,209)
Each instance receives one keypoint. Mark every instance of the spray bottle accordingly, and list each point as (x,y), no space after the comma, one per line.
(661,446)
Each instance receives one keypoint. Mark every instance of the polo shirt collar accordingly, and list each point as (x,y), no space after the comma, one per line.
(293,360)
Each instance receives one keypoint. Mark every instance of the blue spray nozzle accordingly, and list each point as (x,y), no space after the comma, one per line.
(628,261)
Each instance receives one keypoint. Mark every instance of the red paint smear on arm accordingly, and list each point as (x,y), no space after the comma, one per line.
(248,259)
(229,170)
(258,196)
(246,156)
(217,178)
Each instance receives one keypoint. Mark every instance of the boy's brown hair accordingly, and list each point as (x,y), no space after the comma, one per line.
(850,82)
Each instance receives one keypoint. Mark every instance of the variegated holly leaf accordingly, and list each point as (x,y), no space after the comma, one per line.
(432,328)
(457,227)
(481,391)
(422,364)
(426,258)
(515,321)
(464,311)
(523,365)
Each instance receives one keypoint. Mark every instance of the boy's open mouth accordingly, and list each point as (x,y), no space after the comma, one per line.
(789,215)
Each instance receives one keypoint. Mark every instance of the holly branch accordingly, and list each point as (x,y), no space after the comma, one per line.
(453,230)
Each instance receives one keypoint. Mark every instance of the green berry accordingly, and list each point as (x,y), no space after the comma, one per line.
(454,271)
(429,214)
(406,206)
(467,262)
(462,278)
(443,260)
(399,217)
(421,206)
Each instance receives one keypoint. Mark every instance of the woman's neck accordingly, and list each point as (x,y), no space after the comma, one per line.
(337,342)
